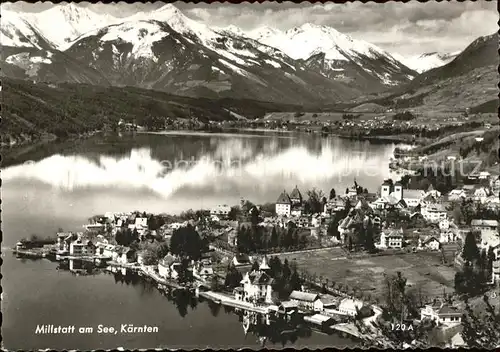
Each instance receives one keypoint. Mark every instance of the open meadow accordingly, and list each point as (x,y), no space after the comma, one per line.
(423,270)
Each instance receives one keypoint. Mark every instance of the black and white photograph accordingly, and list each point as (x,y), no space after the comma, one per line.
(250,175)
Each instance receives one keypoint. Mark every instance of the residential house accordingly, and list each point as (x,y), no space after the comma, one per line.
(283,205)
(413,197)
(303,221)
(492,202)
(334,205)
(441,313)
(457,194)
(391,239)
(316,220)
(168,267)
(63,241)
(241,259)
(429,242)
(327,303)
(257,285)
(203,270)
(485,226)
(105,249)
(449,236)
(221,211)
(431,192)
(81,247)
(124,255)
(434,213)
(444,224)
(481,194)
(350,307)
(306,300)
(288,308)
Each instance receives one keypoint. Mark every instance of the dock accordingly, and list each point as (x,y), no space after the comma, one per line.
(227,300)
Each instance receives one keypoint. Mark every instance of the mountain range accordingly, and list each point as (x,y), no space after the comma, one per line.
(167,51)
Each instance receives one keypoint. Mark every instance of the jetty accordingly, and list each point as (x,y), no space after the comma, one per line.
(227,300)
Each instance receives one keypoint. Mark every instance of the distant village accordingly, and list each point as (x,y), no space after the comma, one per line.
(231,254)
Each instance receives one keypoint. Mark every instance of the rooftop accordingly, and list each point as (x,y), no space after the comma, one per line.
(304,296)
(284,198)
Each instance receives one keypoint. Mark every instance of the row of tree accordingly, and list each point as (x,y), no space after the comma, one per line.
(254,239)
(476,273)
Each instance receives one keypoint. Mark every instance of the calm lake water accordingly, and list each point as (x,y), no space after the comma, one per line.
(62,185)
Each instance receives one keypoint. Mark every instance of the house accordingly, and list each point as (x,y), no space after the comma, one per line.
(63,241)
(457,194)
(413,197)
(124,255)
(481,194)
(105,249)
(288,309)
(203,270)
(391,239)
(362,204)
(444,224)
(141,224)
(221,211)
(431,192)
(448,236)
(350,307)
(328,302)
(168,267)
(283,205)
(485,226)
(257,285)
(441,313)
(306,300)
(430,242)
(316,220)
(492,202)
(334,205)
(241,259)
(434,213)
(81,247)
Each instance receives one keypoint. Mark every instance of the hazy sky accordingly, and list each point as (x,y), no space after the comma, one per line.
(405,28)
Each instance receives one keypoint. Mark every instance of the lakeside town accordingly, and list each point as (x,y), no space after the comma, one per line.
(405,266)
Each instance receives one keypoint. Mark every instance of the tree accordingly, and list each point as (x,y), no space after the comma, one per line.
(274,238)
(332,193)
(234,213)
(233,277)
(186,242)
(243,240)
(255,266)
(315,200)
(470,252)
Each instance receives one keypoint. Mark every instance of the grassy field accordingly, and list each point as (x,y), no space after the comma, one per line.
(422,270)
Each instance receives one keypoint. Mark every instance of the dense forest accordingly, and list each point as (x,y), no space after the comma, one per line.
(31,110)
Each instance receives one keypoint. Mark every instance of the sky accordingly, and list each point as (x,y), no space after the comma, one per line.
(408,29)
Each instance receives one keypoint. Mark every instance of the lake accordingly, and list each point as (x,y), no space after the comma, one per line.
(62,185)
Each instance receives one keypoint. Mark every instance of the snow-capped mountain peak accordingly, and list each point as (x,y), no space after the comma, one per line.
(427,61)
